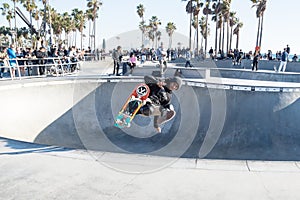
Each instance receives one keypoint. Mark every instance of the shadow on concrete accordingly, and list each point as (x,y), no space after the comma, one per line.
(17,147)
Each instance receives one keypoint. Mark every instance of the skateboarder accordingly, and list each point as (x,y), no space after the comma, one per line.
(158,103)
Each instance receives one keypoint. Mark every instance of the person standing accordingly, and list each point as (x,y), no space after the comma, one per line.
(283,61)
(161,56)
(11,52)
(188,58)
(115,59)
(41,54)
(211,53)
(255,61)
(119,59)
(3,61)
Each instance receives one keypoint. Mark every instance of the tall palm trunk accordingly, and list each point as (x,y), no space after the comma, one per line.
(143,34)
(216,36)
(190,38)
(94,33)
(90,34)
(231,30)
(220,39)
(258,32)
(261,29)
(223,37)
(81,39)
(237,41)
(227,46)
(16,32)
(206,34)
(197,32)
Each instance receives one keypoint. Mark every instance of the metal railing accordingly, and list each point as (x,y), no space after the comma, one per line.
(30,67)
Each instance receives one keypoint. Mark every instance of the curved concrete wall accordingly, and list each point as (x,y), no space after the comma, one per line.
(211,122)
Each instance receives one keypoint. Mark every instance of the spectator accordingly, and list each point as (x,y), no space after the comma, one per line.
(41,54)
(161,56)
(118,59)
(283,62)
(255,61)
(188,58)
(3,60)
(11,52)
(295,58)
(211,53)
(269,55)
(21,62)
(132,62)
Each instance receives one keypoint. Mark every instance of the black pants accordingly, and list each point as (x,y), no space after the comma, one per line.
(188,63)
(254,66)
(115,67)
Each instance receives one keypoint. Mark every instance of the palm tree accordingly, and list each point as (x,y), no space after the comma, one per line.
(36,16)
(30,7)
(154,22)
(190,9)
(158,37)
(94,6)
(143,27)
(226,14)
(236,32)
(196,22)
(140,11)
(80,20)
(9,13)
(56,23)
(170,28)
(207,11)
(204,30)
(151,35)
(260,9)
(67,25)
(232,21)
(216,18)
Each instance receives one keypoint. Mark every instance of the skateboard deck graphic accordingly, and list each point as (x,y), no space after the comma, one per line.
(132,105)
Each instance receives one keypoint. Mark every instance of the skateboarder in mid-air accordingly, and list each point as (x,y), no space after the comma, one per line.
(158,103)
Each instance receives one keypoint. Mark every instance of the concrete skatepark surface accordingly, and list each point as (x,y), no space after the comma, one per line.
(226,121)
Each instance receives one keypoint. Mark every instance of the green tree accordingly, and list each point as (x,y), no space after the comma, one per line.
(92,14)
(140,11)
(9,14)
(260,10)
(236,32)
(204,30)
(144,28)
(217,17)
(170,28)
(232,22)
(154,22)
(80,20)
(189,8)
(30,7)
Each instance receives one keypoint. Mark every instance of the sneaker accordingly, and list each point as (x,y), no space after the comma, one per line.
(166,117)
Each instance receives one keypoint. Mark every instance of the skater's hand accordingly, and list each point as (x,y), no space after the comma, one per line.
(161,84)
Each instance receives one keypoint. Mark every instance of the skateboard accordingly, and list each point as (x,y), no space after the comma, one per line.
(132,105)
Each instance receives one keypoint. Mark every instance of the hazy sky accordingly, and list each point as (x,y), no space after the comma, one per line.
(117,16)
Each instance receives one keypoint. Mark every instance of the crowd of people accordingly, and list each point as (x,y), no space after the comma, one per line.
(41,61)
